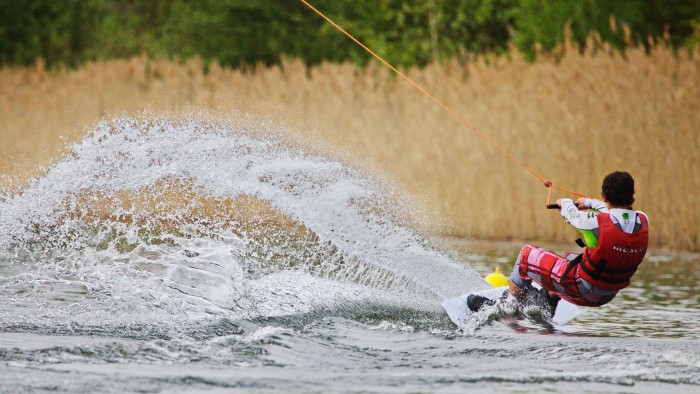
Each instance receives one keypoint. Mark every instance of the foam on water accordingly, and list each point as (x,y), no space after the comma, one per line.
(346,243)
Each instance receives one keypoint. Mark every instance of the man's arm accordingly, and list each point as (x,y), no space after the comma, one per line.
(592,203)
(584,221)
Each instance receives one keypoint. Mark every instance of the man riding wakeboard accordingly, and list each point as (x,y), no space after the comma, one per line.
(616,239)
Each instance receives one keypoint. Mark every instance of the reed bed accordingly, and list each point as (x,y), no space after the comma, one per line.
(573,120)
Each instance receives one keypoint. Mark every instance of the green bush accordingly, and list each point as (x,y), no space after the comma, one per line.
(247,32)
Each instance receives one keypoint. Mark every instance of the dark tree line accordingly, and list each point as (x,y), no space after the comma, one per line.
(405,32)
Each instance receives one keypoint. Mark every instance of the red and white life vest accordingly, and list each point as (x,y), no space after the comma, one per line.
(611,264)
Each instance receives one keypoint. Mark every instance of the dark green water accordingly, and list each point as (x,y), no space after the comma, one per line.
(646,341)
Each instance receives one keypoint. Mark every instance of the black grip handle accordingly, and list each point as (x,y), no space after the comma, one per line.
(557,206)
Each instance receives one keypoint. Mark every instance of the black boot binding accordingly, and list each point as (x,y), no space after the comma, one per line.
(541,299)
(476,302)
(532,296)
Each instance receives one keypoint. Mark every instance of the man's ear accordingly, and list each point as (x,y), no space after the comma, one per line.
(603,196)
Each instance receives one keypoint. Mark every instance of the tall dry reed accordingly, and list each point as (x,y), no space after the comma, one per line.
(573,121)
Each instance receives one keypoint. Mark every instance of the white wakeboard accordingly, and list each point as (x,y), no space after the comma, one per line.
(459,312)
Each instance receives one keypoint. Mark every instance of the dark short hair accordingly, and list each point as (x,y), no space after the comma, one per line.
(618,188)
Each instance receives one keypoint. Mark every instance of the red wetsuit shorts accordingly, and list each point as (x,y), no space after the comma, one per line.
(559,274)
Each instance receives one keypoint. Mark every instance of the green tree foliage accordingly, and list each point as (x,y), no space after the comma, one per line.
(540,23)
(410,33)
(125,28)
(246,32)
(235,32)
(42,29)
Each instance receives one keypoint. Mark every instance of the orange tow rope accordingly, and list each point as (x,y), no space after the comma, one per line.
(547,183)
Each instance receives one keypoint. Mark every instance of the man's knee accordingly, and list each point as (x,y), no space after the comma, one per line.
(519,275)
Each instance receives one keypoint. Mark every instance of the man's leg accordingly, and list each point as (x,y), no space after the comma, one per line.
(519,280)
(536,264)
(517,286)
(515,290)
(545,268)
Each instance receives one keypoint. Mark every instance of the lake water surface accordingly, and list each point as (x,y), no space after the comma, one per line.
(345,299)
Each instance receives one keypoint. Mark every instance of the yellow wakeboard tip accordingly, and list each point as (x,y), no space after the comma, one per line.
(496,279)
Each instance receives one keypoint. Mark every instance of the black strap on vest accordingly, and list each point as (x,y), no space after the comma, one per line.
(572,263)
(599,269)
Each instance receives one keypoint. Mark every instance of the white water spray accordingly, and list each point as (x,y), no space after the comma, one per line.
(344,245)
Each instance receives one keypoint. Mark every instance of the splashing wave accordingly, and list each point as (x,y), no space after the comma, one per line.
(159,219)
